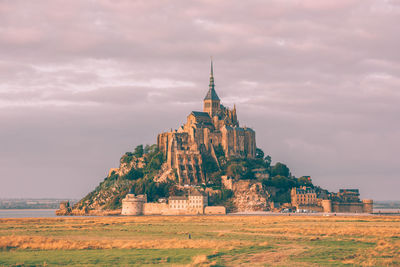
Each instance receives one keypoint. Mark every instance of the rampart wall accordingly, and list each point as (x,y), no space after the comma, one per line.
(155,208)
(214,210)
(132,207)
(347,207)
(311,207)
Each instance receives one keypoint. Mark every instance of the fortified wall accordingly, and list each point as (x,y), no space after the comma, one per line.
(133,205)
(192,205)
(345,201)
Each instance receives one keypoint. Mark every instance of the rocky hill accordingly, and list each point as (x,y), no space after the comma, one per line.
(143,171)
(135,173)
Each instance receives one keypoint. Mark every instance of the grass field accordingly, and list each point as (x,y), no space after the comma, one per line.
(215,241)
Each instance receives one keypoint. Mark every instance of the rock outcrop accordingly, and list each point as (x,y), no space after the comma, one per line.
(249,195)
(106,198)
(65,209)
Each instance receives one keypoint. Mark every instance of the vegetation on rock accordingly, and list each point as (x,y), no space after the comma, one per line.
(108,194)
(138,169)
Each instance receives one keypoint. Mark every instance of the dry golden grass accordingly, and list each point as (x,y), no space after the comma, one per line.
(201,260)
(45,243)
(231,240)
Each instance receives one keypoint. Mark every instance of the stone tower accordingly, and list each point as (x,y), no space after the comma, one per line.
(203,132)
(211,101)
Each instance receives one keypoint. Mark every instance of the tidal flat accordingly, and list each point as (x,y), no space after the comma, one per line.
(201,241)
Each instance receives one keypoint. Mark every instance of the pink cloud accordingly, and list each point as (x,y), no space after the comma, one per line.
(20,36)
(327,5)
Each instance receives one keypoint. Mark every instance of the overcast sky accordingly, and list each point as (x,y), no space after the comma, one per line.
(82,82)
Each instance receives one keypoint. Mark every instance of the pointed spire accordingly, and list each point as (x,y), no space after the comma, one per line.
(212,85)
(212,72)
(211,94)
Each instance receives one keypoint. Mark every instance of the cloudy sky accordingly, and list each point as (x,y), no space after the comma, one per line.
(82,82)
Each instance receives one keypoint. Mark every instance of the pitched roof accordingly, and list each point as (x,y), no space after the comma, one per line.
(200,114)
(307,190)
(178,198)
(211,94)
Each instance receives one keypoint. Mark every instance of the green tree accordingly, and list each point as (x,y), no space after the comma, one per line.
(151,150)
(219,151)
(155,162)
(280,182)
(305,180)
(280,169)
(127,157)
(267,161)
(133,174)
(259,153)
(221,197)
(236,170)
(209,164)
(138,151)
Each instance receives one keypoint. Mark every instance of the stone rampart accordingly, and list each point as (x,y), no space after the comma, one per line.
(357,207)
(326,205)
(214,210)
(368,205)
(316,208)
(155,208)
(133,205)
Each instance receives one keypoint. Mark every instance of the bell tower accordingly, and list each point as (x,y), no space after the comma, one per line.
(211,101)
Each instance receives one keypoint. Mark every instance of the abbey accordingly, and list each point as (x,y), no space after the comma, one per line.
(203,132)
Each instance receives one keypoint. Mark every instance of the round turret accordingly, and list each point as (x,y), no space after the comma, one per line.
(368,205)
(133,205)
(327,205)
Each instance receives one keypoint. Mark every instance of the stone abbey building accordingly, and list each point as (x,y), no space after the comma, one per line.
(203,131)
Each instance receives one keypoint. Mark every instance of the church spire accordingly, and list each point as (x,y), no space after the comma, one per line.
(212,85)
(211,94)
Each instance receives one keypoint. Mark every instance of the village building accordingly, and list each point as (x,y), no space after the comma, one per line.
(303,196)
(345,201)
(195,202)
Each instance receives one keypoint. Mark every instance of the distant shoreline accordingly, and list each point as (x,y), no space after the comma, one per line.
(28,208)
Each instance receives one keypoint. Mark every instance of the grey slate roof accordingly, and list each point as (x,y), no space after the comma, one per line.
(178,198)
(308,190)
(211,95)
(200,114)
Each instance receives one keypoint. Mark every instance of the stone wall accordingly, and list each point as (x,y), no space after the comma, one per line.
(368,205)
(133,205)
(347,207)
(155,208)
(132,208)
(326,205)
(311,207)
(213,210)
